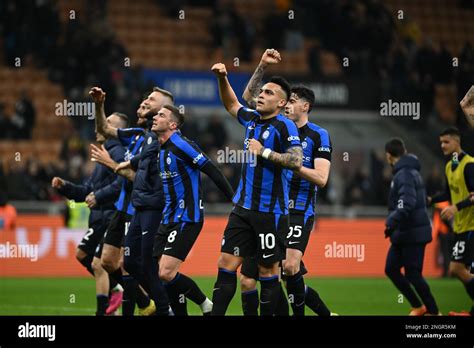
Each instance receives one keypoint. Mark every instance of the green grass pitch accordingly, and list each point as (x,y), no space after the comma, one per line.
(345,296)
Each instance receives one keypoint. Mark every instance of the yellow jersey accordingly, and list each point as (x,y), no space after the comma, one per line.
(463,219)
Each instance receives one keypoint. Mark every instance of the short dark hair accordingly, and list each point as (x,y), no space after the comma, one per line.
(123,117)
(283,83)
(395,147)
(451,131)
(164,92)
(305,93)
(176,114)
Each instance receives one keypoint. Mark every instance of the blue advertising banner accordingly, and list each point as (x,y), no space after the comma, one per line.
(195,88)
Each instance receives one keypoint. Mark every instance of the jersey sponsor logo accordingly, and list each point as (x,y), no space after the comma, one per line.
(293,137)
(168,174)
(306,159)
(197,158)
(324,149)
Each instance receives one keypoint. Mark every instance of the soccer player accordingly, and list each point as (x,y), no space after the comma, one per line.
(100,191)
(459,173)
(260,215)
(181,162)
(110,252)
(303,186)
(146,198)
(409,229)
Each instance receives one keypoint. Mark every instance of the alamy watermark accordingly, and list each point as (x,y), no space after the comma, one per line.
(11,251)
(345,251)
(228,155)
(75,109)
(400,109)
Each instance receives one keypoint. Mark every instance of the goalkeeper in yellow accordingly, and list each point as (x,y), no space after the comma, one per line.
(460,182)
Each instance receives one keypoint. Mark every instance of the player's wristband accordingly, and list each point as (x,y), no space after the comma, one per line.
(266,153)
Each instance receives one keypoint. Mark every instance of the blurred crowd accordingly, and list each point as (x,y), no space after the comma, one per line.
(85,52)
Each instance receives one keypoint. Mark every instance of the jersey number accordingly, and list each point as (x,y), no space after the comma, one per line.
(172,236)
(459,247)
(88,233)
(267,240)
(296,229)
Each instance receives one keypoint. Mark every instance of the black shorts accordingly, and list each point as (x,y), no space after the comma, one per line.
(255,234)
(98,222)
(115,232)
(299,232)
(249,268)
(463,249)
(176,239)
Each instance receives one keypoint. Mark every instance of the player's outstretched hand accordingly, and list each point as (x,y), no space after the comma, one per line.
(271,56)
(90,200)
(449,212)
(100,154)
(122,165)
(97,95)
(57,182)
(219,69)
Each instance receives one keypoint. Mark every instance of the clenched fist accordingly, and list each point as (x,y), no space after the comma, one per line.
(57,182)
(97,95)
(219,69)
(270,56)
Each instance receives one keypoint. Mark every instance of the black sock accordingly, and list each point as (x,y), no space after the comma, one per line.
(130,293)
(176,297)
(470,288)
(102,304)
(296,293)
(250,302)
(87,263)
(188,287)
(112,283)
(142,300)
(224,290)
(313,301)
(117,276)
(283,308)
(270,292)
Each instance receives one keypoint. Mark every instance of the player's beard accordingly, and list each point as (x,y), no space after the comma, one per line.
(149,119)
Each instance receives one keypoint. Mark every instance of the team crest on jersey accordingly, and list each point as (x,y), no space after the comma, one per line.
(304,144)
(149,140)
(265,134)
(168,160)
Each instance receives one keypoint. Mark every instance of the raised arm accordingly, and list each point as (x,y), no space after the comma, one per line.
(270,56)
(226,93)
(467,106)
(101,126)
(101,156)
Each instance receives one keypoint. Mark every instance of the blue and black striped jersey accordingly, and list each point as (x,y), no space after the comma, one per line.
(316,144)
(264,186)
(133,139)
(180,162)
